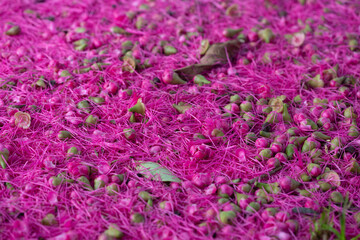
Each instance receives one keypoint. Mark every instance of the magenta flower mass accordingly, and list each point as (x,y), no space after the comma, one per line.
(171,120)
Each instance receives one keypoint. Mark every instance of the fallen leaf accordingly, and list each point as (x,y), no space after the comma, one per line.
(156,172)
(217,54)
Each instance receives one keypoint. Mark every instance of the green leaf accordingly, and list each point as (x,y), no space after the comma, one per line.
(156,172)
(356,237)
(331,229)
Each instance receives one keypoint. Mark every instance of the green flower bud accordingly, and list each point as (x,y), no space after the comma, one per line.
(137,218)
(114,232)
(49,220)
(337,197)
(253,207)
(266,35)
(169,50)
(63,135)
(144,196)
(226,217)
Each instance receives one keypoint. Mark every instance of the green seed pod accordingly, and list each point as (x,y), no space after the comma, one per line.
(267,110)
(265,154)
(144,196)
(2,163)
(261,102)
(229,32)
(297,99)
(97,100)
(198,136)
(321,102)
(117,30)
(330,73)
(226,217)
(132,118)
(81,47)
(320,136)
(137,218)
(273,117)
(217,133)
(350,80)
(294,131)
(236,181)
(308,146)
(349,113)
(4,157)
(114,232)
(127,45)
(169,50)
(299,141)
(55,181)
(63,135)
(357,218)
(84,181)
(41,83)
(13,31)
(353,167)
(235,98)
(223,200)
(312,124)
(249,98)
(290,150)
(112,189)
(324,186)
(182,107)
(140,22)
(139,107)
(253,207)
(72,151)
(316,82)
(65,73)
(129,133)
(285,114)
(353,132)
(315,153)
(305,193)
(272,188)
(84,105)
(337,197)
(335,143)
(91,120)
(246,106)
(343,89)
(149,203)
(120,177)
(339,81)
(248,117)
(271,211)
(353,44)
(266,35)
(235,207)
(305,178)
(49,220)
(240,196)
(261,193)
(265,134)
(246,188)
(201,80)
(250,137)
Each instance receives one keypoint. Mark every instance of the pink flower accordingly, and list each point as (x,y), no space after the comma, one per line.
(298,39)
(22,120)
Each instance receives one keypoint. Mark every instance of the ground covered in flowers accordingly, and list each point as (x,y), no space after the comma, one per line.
(179,119)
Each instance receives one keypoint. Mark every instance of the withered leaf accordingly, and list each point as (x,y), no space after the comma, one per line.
(217,54)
